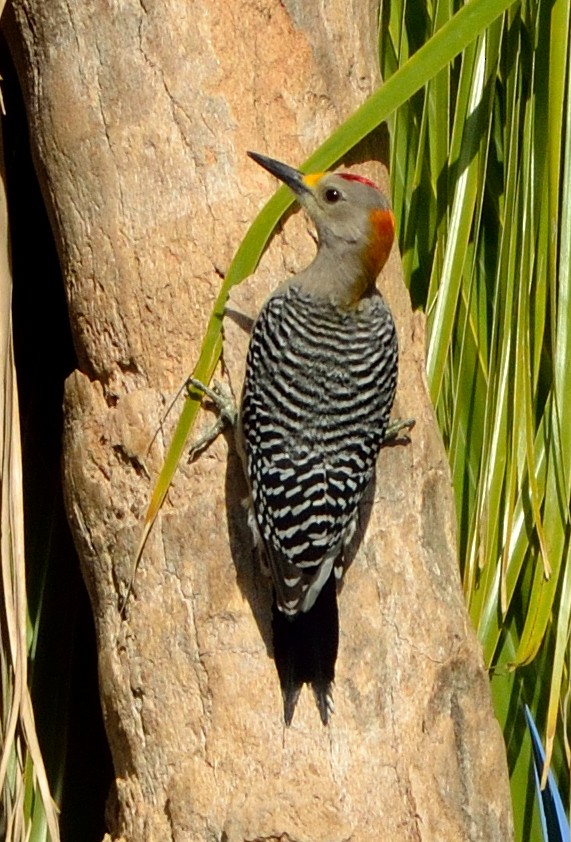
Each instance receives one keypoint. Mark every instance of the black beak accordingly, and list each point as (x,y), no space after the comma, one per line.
(293,178)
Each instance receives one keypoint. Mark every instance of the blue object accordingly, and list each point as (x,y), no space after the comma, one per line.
(553,818)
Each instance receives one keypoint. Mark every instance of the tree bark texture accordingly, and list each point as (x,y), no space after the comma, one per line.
(140,115)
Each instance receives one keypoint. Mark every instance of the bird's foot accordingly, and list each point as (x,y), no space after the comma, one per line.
(220,395)
(225,405)
(396,427)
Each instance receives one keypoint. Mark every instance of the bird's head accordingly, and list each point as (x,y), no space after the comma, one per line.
(353,218)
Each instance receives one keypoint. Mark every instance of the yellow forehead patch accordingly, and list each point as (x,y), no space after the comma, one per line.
(311,180)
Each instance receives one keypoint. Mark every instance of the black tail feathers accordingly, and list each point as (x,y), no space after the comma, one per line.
(305,651)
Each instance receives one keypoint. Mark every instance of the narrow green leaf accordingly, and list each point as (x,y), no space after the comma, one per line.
(447,43)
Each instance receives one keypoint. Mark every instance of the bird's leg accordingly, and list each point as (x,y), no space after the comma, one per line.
(224,402)
(396,427)
(220,395)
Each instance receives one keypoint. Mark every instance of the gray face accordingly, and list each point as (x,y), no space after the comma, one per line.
(341,207)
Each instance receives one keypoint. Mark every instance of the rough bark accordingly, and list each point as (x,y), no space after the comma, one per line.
(140,114)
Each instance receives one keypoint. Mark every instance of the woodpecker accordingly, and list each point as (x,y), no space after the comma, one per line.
(321,375)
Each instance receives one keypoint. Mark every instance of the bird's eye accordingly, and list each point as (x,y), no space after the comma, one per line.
(332,195)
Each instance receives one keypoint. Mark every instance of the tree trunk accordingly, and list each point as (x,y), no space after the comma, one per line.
(140,115)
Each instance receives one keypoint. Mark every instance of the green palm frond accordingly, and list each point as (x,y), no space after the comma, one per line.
(489,262)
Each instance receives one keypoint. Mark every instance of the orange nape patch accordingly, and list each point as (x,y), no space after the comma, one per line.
(312,179)
(376,252)
(381,241)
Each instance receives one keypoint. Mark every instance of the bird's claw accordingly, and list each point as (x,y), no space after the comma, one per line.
(396,427)
(223,400)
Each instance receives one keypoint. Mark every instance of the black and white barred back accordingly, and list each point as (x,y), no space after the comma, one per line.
(319,387)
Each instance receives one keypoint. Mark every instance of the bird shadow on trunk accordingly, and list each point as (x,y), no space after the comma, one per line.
(254,586)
